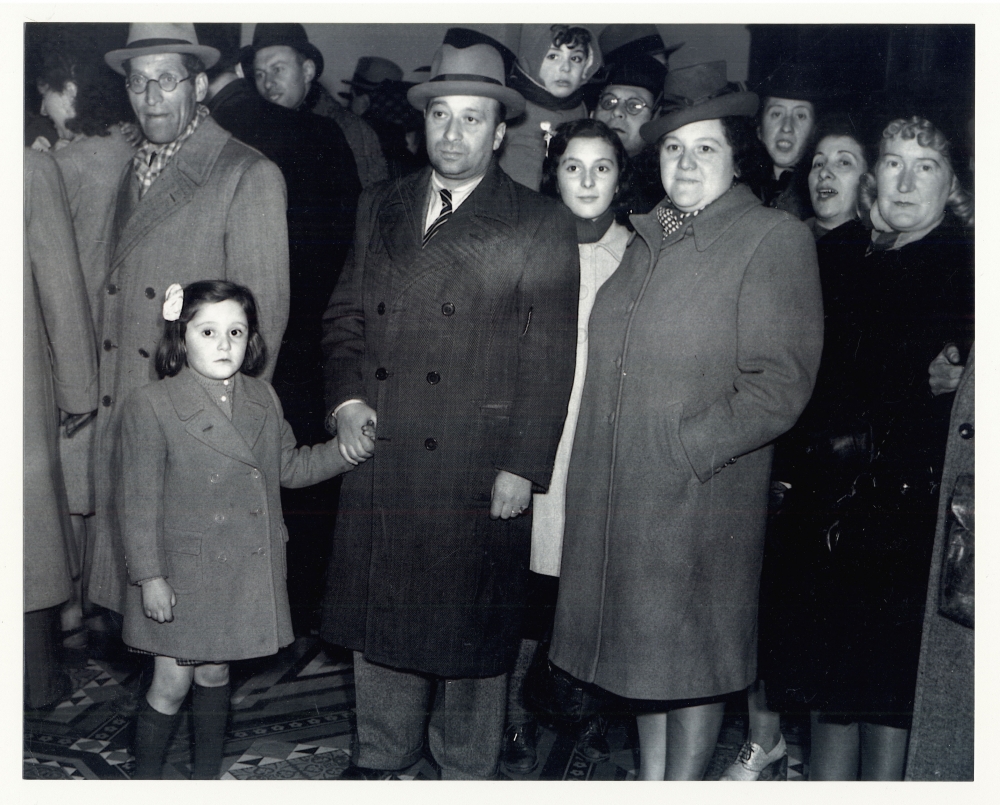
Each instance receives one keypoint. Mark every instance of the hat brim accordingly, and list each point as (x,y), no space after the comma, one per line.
(420,94)
(117,58)
(307,49)
(738,104)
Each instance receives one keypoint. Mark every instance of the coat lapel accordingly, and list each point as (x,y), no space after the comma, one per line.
(204,420)
(250,404)
(174,188)
(401,218)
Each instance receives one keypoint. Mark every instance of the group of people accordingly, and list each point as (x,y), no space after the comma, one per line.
(644,376)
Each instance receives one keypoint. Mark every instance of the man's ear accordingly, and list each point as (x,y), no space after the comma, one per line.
(309,70)
(498,134)
(200,87)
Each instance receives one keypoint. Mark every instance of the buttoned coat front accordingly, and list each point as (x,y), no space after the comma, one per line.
(465,348)
(200,504)
(704,348)
(216,212)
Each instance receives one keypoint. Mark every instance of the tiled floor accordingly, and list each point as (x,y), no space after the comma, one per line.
(292,718)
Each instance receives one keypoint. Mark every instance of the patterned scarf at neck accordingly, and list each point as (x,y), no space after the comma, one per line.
(672,219)
(151,158)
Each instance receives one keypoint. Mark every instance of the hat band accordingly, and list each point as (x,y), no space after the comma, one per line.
(467,77)
(671,103)
(145,43)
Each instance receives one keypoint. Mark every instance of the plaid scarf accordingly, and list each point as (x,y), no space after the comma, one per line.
(151,158)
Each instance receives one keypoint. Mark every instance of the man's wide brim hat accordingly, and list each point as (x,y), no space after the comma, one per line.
(149,38)
(476,70)
(370,73)
(272,34)
(698,92)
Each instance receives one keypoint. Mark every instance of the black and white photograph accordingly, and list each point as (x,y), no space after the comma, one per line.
(496,396)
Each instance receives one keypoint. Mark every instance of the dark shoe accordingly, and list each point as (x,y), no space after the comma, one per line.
(520,751)
(591,744)
(353,772)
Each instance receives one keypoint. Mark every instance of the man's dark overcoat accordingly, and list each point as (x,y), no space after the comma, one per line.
(465,349)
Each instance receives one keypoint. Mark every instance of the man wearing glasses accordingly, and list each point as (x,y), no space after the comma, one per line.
(193,204)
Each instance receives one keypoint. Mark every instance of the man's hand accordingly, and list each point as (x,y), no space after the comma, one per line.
(945,370)
(158,600)
(511,495)
(352,419)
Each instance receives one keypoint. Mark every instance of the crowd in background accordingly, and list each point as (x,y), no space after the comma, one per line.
(776,495)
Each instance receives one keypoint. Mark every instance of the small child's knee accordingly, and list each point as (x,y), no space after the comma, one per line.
(212,675)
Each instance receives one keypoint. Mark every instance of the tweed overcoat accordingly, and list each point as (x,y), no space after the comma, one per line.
(702,351)
(465,349)
(216,212)
(60,373)
(199,504)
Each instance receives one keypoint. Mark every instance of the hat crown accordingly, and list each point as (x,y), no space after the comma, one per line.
(266,34)
(481,61)
(699,81)
(173,32)
(374,70)
(618,35)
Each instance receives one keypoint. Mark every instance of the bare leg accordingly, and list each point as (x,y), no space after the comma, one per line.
(883,752)
(652,745)
(835,751)
(171,683)
(71,613)
(692,733)
(765,725)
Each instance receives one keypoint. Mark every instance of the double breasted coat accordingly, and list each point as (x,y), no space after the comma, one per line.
(465,349)
(703,348)
(60,373)
(199,504)
(216,212)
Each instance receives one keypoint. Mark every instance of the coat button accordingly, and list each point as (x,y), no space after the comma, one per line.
(213,478)
(448,309)
(112,289)
(108,346)
(966,431)
(150,293)
(731,462)
(222,557)
(431,444)
(255,473)
(433,378)
(143,353)
(381,373)
(220,518)
(255,512)
(106,401)
(381,308)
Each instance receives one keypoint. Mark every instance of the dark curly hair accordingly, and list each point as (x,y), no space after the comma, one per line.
(594,129)
(171,354)
(100,101)
(572,36)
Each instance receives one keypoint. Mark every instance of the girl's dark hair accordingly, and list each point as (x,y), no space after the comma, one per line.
(572,36)
(594,129)
(171,354)
(100,102)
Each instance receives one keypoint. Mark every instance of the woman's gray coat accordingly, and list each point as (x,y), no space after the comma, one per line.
(702,351)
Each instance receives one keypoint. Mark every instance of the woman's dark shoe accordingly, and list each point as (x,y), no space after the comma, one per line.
(591,744)
(520,750)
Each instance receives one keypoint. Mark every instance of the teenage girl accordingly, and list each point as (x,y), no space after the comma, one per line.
(203,453)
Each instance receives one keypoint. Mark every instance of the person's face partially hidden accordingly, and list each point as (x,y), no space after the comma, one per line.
(462,133)
(562,70)
(625,125)
(785,128)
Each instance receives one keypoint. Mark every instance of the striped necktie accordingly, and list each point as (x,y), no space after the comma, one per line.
(442,218)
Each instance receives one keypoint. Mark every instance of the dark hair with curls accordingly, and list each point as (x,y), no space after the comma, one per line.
(594,129)
(929,136)
(99,103)
(171,354)
(572,36)
(838,124)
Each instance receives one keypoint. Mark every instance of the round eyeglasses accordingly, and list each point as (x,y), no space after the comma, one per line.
(633,105)
(167,82)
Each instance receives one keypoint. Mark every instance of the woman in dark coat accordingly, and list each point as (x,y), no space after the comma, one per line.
(703,349)
(876,542)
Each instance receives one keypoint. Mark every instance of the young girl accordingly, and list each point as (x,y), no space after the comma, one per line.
(587,168)
(203,453)
(553,64)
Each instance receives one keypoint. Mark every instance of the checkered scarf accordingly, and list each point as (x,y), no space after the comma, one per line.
(672,219)
(151,158)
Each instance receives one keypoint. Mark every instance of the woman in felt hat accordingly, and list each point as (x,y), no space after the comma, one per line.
(703,348)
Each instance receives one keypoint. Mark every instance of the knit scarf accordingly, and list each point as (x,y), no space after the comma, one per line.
(591,230)
(537,94)
(151,158)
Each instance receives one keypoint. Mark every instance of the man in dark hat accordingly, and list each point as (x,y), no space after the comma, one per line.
(195,203)
(370,73)
(453,331)
(285,67)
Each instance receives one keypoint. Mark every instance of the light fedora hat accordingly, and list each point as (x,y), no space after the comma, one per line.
(698,92)
(147,38)
(476,70)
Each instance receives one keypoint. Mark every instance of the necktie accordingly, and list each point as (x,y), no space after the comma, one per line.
(442,218)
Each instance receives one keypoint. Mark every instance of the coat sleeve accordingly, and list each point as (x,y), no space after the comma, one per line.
(62,294)
(548,302)
(257,250)
(780,339)
(305,466)
(142,453)
(343,339)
